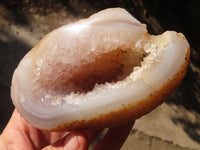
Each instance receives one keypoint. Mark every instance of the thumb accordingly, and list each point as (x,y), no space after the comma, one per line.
(75,140)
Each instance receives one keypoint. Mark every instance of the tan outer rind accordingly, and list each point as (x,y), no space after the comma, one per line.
(132,111)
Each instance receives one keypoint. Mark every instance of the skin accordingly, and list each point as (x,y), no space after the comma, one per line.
(19,135)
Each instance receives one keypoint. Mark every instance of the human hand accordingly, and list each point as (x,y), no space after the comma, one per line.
(20,135)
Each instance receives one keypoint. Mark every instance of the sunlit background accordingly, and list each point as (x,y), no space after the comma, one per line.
(24,23)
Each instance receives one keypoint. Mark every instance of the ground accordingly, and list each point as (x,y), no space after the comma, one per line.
(174,125)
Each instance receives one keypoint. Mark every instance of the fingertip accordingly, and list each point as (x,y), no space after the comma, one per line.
(114,138)
(82,139)
(76,140)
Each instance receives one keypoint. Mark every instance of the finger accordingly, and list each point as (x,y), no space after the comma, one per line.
(75,140)
(92,134)
(115,138)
